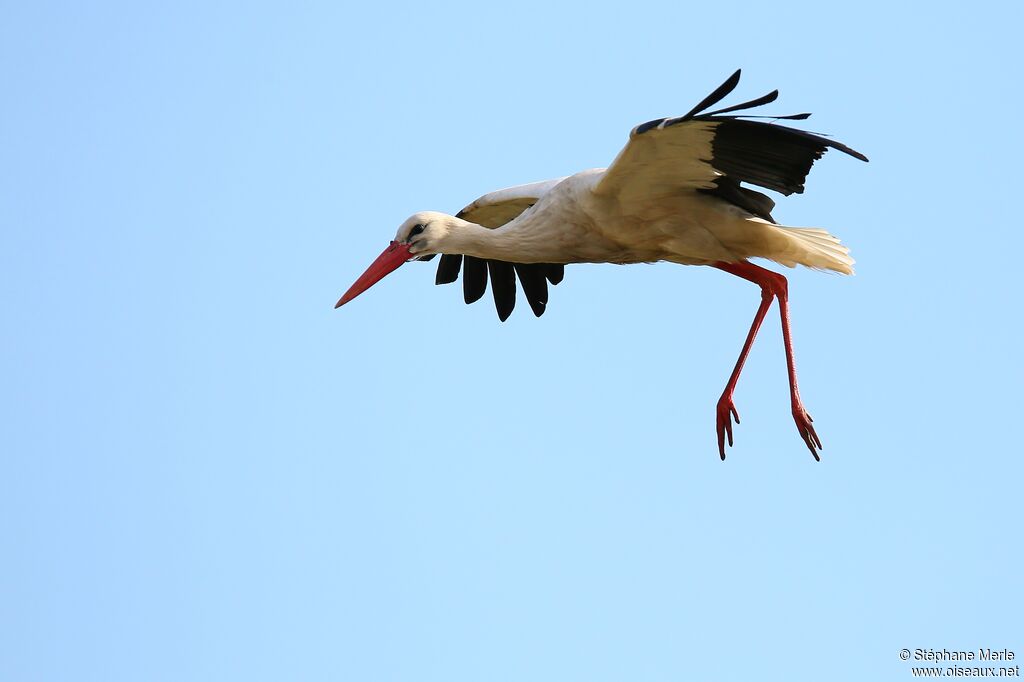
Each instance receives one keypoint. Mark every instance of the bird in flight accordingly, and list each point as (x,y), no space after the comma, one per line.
(676,192)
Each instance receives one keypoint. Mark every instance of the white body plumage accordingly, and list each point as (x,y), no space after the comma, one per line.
(572,222)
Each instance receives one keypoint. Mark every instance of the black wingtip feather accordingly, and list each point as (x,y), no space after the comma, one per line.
(474,279)
(852,152)
(556,271)
(715,97)
(535,286)
(503,287)
(763,99)
(448,268)
(533,278)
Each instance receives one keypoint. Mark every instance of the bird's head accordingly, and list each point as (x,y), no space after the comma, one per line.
(420,237)
(425,233)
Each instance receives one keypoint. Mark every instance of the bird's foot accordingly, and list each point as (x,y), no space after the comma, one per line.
(806,429)
(725,413)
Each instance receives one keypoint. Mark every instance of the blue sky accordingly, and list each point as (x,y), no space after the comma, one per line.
(210,474)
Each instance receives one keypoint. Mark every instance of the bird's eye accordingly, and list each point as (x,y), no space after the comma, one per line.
(415,231)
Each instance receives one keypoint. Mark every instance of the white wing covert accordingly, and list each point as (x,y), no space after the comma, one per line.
(494,209)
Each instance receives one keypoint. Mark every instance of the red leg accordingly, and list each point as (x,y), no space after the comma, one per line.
(772,284)
(726,407)
(800,416)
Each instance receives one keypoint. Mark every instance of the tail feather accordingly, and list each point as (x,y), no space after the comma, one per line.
(814,248)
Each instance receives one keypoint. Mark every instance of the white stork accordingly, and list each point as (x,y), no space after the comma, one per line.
(674,193)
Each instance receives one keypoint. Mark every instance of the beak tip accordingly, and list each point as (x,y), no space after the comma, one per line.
(395,255)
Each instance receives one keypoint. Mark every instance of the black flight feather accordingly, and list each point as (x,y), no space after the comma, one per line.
(771,156)
(790,117)
(534,278)
(448,268)
(728,189)
(764,99)
(535,286)
(474,279)
(715,97)
(503,287)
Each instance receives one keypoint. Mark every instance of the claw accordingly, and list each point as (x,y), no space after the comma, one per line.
(725,413)
(807,432)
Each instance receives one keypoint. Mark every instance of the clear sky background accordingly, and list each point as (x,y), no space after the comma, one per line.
(210,474)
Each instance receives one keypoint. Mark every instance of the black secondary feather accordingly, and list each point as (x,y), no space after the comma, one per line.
(728,189)
(770,156)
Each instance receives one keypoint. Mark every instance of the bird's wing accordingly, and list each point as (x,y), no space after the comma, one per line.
(494,209)
(714,152)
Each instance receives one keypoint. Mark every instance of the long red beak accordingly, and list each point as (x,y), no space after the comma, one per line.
(386,263)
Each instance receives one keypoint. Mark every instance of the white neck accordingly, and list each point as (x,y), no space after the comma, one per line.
(515,242)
